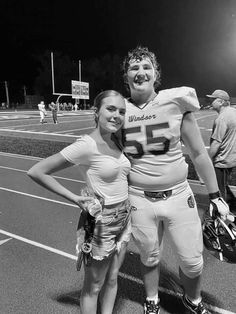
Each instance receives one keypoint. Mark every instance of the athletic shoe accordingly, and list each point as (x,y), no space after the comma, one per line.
(150,307)
(196,309)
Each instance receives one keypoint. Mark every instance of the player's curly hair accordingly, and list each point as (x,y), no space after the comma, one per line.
(140,53)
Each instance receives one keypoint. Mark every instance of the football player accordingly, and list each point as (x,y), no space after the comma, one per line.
(156,123)
(42,112)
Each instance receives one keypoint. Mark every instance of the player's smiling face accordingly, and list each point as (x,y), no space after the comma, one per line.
(141,74)
(111,114)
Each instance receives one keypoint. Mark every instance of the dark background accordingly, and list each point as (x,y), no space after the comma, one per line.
(194,40)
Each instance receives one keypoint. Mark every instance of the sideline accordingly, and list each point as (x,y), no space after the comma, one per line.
(37,124)
(42,133)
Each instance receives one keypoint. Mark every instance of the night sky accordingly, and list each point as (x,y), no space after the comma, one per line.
(194,40)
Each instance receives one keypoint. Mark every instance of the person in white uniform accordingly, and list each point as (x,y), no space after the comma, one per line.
(105,169)
(42,111)
(156,123)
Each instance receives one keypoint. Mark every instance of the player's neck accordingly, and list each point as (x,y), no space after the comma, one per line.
(141,99)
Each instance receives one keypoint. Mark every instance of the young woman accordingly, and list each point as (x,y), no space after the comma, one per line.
(105,169)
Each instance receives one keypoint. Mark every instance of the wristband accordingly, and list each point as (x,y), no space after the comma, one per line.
(214,195)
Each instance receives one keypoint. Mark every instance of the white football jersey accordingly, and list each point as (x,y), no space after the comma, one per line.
(41,107)
(152,139)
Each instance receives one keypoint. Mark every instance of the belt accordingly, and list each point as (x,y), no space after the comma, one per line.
(159,195)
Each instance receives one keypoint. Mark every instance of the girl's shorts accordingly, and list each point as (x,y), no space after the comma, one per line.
(112,230)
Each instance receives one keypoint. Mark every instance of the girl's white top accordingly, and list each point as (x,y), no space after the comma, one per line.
(105,174)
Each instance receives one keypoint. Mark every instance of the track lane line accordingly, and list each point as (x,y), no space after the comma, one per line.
(39,197)
(40,133)
(57,177)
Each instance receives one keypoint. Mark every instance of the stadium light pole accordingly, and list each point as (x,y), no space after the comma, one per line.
(80,70)
(80,80)
(7,94)
(53,86)
(24,89)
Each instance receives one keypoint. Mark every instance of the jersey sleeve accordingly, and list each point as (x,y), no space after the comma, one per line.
(78,152)
(186,99)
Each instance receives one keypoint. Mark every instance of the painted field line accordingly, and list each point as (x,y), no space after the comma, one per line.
(37,244)
(81,129)
(57,177)
(206,116)
(38,197)
(20,156)
(5,240)
(48,123)
(42,133)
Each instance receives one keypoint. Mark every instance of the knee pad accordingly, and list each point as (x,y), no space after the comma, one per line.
(192,268)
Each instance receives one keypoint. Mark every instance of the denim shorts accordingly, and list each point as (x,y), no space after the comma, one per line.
(112,230)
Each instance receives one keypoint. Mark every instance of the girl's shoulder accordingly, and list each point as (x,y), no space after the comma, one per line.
(81,150)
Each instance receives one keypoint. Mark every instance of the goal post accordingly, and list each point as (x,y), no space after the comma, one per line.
(53,80)
(79,89)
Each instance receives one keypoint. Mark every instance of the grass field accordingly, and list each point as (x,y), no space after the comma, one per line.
(30,147)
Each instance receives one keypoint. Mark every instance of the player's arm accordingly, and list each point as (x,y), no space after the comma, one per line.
(214,148)
(41,174)
(192,139)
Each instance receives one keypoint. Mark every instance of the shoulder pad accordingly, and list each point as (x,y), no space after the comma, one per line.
(184,97)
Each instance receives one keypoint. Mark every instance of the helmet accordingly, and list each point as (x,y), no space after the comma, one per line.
(219,237)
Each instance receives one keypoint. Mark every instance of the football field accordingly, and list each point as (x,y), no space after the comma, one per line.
(37,229)
(22,123)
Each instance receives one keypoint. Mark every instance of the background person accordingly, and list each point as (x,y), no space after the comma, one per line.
(155,125)
(42,112)
(75,106)
(223,144)
(105,169)
(54,109)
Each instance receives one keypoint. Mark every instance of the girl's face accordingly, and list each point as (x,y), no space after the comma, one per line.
(141,75)
(111,114)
